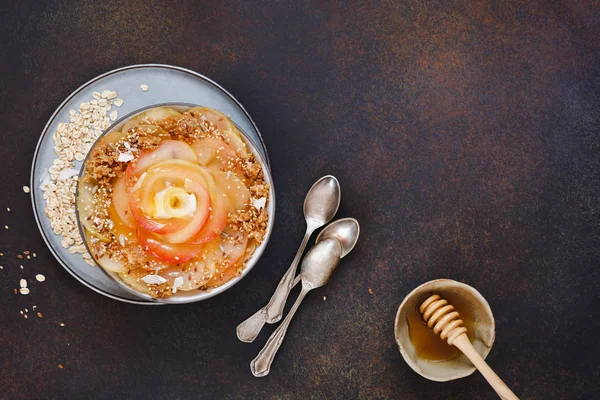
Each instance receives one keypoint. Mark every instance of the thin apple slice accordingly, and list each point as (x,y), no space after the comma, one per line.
(233,246)
(211,150)
(120,214)
(120,202)
(195,273)
(215,223)
(166,150)
(236,193)
(250,249)
(219,120)
(111,265)
(168,252)
(223,277)
(119,228)
(86,208)
(159,114)
(224,125)
(237,143)
(133,278)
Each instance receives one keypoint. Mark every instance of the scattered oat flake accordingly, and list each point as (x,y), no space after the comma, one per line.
(8,209)
(61,324)
(144,88)
(26,189)
(324,298)
(73,139)
(34,255)
(40,278)
(108,94)
(23,283)
(113,115)
(24,291)
(118,102)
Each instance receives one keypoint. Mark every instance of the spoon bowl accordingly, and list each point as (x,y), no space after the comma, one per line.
(320,263)
(322,201)
(345,230)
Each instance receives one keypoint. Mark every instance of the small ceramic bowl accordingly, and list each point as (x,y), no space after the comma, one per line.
(484,330)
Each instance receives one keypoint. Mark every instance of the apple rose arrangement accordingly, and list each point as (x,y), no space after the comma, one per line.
(173,201)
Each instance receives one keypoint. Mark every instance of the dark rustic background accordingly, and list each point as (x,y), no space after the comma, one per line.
(465,136)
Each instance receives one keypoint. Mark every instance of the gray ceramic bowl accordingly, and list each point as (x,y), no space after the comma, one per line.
(484,330)
(182,297)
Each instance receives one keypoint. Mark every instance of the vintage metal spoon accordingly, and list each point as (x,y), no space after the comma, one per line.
(320,205)
(317,267)
(345,230)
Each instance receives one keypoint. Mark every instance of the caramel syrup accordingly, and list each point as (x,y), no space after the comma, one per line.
(428,345)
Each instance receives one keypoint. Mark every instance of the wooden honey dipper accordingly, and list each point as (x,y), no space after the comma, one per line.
(445,321)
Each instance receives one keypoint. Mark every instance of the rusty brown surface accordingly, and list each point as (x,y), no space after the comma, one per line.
(466,137)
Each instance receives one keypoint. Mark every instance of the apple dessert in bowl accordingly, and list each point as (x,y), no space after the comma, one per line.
(175,203)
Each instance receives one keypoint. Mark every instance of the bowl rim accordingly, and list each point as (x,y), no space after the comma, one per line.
(468,371)
(258,252)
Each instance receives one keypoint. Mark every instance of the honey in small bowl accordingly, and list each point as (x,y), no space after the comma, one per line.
(428,345)
(424,351)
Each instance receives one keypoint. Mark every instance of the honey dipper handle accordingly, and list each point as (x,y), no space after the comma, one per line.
(464,344)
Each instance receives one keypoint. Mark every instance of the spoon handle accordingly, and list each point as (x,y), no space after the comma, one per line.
(248,330)
(464,345)
(261,365)
(275,306)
